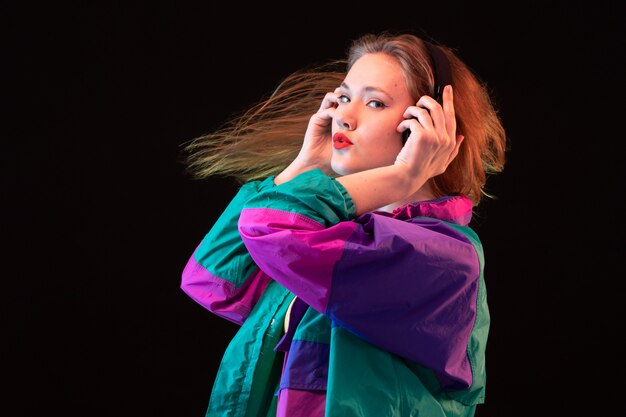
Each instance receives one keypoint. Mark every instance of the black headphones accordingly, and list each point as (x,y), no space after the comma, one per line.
(442,74)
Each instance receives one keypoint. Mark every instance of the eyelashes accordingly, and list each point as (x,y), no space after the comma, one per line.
(376,104)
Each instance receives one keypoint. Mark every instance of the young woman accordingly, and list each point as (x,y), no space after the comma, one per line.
(347,256)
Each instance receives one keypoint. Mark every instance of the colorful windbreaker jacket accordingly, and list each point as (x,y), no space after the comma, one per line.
(389,314)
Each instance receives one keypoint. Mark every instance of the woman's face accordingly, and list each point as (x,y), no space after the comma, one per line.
(372,100)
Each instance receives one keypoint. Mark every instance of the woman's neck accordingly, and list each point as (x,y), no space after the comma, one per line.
(423,194)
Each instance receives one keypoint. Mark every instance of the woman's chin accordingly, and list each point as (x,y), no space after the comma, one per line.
(340,169)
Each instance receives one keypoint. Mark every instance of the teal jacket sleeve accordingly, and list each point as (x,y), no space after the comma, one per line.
(220,275)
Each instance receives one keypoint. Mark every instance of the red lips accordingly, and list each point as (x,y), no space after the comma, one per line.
(341,141)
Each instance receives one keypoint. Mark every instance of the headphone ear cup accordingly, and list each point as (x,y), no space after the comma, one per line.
(439,94)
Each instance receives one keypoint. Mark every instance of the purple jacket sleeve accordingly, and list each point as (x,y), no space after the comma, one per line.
(406,286)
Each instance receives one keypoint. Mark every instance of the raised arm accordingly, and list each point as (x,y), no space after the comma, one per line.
(399,286)
(432,145)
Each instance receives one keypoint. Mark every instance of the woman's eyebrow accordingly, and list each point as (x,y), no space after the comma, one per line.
(368,89)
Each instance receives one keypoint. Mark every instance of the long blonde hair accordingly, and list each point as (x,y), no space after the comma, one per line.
(266,138)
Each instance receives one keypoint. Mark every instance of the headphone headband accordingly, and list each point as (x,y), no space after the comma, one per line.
(441,70)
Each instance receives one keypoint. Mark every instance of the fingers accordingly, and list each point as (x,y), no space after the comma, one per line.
(455,151)
(421,115)
(431,110)
(325,114)
(326,110)
(448,110)
(330,100)
(433,128)
(443,119)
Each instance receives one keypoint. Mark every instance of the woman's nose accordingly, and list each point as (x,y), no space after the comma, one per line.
(345,118)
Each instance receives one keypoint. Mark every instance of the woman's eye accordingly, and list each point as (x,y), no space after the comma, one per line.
(376,104)
(344,99)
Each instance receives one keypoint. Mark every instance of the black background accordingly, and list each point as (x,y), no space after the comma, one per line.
(99,218)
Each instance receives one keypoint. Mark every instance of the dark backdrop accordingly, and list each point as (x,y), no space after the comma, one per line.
(99,218)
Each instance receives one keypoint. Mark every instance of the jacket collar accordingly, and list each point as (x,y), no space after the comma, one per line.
(453,209)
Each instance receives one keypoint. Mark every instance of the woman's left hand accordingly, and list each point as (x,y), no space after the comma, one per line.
(433,142)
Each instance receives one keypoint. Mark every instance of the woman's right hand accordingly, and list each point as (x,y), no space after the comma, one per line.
(317,147)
